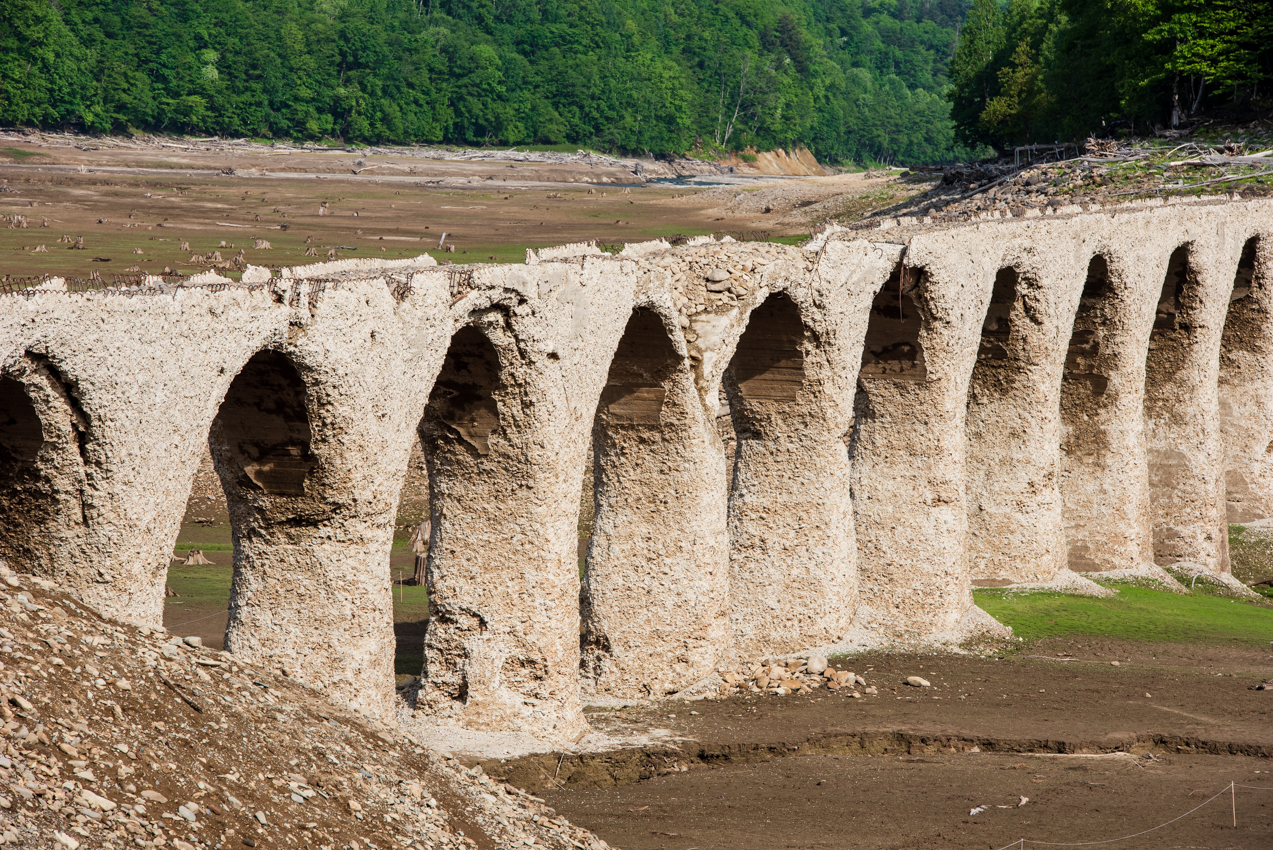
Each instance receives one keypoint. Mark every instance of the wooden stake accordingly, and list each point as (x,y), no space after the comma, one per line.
(1233,799)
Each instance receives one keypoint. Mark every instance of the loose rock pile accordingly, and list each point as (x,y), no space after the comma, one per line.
(781,677)
(113,736)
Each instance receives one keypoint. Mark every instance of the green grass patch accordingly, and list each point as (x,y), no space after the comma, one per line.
(1136,613)
(201,585)
(798,239)
(410,603)
(19,154)
(205,547)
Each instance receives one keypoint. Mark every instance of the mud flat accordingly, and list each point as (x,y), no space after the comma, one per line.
(1099,751)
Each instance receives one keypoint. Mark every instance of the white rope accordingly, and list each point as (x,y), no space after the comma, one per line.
(1020,842)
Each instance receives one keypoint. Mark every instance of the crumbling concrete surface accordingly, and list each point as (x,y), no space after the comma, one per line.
(915,409)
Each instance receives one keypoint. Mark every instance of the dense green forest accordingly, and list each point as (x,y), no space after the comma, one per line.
(1047,70)
(850,79)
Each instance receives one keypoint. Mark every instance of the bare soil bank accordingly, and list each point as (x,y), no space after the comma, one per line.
(136,206)
(905,768)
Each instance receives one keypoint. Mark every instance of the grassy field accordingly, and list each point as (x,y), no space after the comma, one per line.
(1136,613)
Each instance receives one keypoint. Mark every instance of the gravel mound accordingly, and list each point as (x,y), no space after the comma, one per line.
(115,736)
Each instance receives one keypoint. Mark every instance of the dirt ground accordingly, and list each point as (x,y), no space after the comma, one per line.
(905,768)
(135,207)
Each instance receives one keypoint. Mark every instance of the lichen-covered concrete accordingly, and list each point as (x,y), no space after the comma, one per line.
(916,408)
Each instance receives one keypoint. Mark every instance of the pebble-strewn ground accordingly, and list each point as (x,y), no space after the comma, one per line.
(114,736)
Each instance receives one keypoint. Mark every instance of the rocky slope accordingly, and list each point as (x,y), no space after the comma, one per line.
(113,736)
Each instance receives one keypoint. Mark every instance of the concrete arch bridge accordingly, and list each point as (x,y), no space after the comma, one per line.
(915,408)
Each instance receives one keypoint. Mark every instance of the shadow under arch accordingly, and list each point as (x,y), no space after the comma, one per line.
(790,513)
(892,349)
(655,587)
(261,437)
(1246,387)
(1013,495)
(44,436)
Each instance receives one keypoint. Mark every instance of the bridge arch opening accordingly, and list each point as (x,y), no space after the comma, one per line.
(768,366)
(655,581)
(1013,500)
(43,436)
(1086,410)
(1246,387)
(261,437)
(892,349)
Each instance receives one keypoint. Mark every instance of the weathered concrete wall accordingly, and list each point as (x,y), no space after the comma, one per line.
(915,407)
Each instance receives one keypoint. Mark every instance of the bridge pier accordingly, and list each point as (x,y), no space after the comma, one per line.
(656,587)
(1015,530)
(907,452)
(792,543)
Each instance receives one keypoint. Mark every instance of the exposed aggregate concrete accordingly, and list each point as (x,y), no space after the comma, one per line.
(915,408)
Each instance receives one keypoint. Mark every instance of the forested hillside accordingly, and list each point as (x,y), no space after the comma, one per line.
(1046,70)
(850,79)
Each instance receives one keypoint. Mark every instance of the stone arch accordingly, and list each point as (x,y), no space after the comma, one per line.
(1246,387)
(793,583)
(656,583)
(44,435)
(1181,438)
(501,649)
(1014,503)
